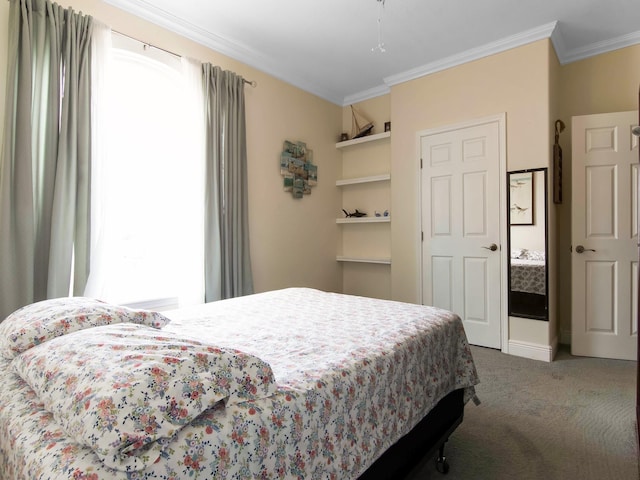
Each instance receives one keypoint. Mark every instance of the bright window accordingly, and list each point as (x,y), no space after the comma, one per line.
(149,192)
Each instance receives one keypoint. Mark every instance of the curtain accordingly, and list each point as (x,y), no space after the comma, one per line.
(45,158)
(101,60)
(227,260)
(193,282)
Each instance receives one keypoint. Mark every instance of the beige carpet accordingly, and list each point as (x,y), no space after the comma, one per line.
(570,419)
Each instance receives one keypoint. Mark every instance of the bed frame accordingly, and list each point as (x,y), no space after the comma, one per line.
(427,438)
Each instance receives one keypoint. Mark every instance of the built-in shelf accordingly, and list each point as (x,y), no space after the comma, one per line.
(355,181)
(367,247)
(381,261)
(363,220)
(368,138)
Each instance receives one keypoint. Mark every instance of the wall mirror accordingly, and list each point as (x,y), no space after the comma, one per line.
(527,243)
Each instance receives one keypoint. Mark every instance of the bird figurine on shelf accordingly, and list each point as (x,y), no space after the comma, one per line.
(357,213)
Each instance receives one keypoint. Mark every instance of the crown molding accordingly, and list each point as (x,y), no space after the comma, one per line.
(147,11)
(366,95)
(514,41)
(157,16)
(567,56)
(557,40)
(241,53)
(477,53)
(550,30)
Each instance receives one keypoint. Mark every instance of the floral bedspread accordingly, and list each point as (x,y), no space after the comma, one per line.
(352,375)
(123,390)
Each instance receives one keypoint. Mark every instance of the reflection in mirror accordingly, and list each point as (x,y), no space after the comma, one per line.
(528,267)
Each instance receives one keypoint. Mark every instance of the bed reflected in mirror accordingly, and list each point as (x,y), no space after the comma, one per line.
(528,268)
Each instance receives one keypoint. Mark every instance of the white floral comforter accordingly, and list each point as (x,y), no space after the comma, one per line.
(352,376)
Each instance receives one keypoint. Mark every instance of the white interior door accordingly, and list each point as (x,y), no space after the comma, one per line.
(461,223)
(604,235)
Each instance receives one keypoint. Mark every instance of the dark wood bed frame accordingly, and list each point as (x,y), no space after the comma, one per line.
(427,438)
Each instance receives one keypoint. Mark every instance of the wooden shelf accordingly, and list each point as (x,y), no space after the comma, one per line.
(368,250)
(368,138)
(355,181)
(380,261)
(363,220)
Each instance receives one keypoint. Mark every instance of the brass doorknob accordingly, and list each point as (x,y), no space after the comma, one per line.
(581,249)
(493,247)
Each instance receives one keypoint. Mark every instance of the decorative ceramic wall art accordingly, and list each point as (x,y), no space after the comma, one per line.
(297,168)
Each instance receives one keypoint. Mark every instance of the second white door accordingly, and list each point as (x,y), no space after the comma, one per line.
(461,205)
(604,235)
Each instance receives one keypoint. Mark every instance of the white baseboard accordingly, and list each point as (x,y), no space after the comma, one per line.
(534,351)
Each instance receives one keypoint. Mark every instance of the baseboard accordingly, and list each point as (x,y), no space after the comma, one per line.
(534,351)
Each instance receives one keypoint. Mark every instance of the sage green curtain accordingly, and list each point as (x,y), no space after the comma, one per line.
(45,158)
(227,259)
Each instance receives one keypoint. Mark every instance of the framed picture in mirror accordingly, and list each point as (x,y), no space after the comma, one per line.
(521,199)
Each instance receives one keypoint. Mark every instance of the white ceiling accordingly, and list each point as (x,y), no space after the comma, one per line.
(325,47)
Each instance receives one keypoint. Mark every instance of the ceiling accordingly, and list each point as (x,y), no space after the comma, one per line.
(327,47)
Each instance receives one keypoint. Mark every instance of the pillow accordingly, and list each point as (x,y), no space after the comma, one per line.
(535,255)
(519,253)
(125,390)
(36,323)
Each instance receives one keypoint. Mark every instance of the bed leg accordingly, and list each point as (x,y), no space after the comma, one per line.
(441,461)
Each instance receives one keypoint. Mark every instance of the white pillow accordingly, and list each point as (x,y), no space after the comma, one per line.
(125,390)
(36,323)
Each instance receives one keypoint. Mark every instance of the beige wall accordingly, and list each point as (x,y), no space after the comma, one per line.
(293,242)
(553,252)
(602,84)
(369,240)
(530,85)
(515,82)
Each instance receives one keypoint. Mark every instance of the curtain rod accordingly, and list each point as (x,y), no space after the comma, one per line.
(253,83)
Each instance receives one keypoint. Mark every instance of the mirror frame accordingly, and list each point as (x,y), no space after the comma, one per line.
(544,317)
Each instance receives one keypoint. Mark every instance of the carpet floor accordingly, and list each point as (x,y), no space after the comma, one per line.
(573,418)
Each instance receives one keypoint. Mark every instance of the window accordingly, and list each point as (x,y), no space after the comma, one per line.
(148,210)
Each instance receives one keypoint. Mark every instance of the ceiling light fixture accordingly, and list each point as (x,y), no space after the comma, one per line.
(380,47)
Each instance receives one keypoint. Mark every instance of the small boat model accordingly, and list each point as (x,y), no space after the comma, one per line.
(360,126)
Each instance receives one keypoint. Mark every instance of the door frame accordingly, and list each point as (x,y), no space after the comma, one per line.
(501,119)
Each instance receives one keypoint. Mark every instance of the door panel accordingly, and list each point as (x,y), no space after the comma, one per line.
(475,204)
(461,208)
(601,198)
(604,223)
(601,288)
(443,288)
(441,206)
(476,283)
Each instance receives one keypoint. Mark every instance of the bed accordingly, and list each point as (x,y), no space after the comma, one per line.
(294,383)
(528,276)
(528,283)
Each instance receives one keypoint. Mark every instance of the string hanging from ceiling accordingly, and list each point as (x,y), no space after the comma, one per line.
(380,47)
